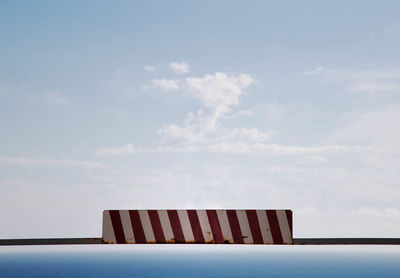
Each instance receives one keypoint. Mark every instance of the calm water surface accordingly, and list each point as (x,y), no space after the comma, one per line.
(198,261)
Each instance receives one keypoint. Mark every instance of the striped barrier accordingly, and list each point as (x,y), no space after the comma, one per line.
(198,226)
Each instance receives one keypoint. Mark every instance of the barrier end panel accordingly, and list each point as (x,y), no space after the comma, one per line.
(108,235)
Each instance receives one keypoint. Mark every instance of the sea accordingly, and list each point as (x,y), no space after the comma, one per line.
(188,261)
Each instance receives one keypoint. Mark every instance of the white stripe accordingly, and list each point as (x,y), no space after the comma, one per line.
(205,225)
(284,225)
(244,226)
(148,230)
(166,225)
(264,226)
(185,223)
(127,226)
(108,230)
(224,223)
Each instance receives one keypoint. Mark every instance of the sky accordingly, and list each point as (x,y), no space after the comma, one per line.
(200,104)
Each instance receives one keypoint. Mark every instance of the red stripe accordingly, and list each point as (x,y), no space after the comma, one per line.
(195,224)
(117,226)
(289,216)
(254,226)
(176,226)
(274,226)
(235,227)
(137,227)
(156,225)
(215,227)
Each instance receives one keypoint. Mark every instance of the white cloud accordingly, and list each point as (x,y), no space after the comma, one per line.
(240,113)
(150,69)
(180,67)
(195,128)
(192,136)
(392,31)
(124,150)
(368,81)
(164,84)
(313,159)
(254,144)
(273,111)
(174,149)
(244,113)
(218,93)
(24,161)
(378,212)
(314,71)
(374,87)
(246,147)
(252,135)
(389,31)
(186,133)
(378,128)
(55,98)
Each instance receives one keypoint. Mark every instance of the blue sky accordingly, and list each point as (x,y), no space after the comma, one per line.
(182,104)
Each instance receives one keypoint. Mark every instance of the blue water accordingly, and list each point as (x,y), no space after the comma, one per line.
(201,262)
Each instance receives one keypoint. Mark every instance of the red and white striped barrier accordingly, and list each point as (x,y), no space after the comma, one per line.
(198,226)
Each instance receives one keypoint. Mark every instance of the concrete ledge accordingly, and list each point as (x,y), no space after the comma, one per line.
(296,241)
(50,241)
(346,241)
